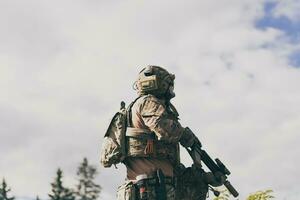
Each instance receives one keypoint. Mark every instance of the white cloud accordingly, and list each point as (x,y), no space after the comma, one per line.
(288,8)
(65,66)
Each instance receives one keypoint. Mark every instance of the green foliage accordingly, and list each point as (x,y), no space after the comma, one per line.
(59,192)
(261,195)
(87,189)
(4,190)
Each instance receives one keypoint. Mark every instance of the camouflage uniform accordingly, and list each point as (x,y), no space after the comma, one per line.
(146,155)
(152,137)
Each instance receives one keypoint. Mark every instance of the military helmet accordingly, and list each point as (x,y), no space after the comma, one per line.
(155,80)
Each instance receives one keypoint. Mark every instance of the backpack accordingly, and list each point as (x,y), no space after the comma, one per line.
(114,144)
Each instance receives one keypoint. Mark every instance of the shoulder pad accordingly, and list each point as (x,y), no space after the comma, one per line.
(152,106)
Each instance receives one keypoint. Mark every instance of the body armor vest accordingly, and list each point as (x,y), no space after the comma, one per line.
(142,142)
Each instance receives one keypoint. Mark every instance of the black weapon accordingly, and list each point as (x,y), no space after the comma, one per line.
(218,169)
(160,188)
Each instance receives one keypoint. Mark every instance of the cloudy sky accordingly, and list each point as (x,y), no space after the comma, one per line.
(66,65)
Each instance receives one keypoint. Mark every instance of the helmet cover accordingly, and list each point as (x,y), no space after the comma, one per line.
(157,81)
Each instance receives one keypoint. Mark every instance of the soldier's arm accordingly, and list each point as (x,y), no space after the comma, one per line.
(155,116)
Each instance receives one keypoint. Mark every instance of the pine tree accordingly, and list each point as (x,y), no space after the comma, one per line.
(87,189)
(4,190)
(59,192)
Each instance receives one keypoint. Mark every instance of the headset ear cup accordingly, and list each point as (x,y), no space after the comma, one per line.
(148,84)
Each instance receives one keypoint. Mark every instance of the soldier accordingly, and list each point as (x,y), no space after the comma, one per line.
(153,135)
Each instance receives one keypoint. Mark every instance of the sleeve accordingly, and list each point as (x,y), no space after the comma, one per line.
(155,117)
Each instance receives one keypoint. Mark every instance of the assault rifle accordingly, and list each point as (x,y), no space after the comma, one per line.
(218,169)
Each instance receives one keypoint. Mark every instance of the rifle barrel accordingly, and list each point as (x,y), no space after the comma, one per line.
(231,189)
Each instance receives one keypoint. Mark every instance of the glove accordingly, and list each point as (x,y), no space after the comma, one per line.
(212,180)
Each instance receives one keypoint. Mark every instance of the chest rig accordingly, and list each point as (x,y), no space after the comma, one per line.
(142,142)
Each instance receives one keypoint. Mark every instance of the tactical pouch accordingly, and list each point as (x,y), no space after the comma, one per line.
(114,148)
(127,191)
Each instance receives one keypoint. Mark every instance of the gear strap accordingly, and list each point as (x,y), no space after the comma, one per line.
(138,132)
(129,113)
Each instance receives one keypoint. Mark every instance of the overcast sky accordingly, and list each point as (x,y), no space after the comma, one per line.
(66,65)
